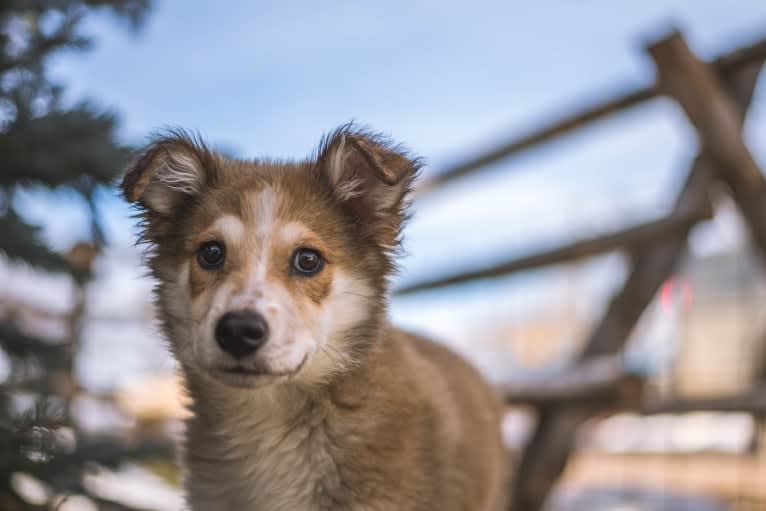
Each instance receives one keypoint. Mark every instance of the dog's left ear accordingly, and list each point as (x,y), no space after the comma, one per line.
(369,175)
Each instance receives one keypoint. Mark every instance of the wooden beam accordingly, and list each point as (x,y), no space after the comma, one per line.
(724,65)
(548,451)
(694,85)
(620,102)
(603,383)
(752,402)
(627,238)
(601,379)
(652,265)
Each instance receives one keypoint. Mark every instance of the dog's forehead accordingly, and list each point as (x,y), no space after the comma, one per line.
(264,213)
(283,200)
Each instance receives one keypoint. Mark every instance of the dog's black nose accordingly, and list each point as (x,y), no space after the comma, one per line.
(241,333)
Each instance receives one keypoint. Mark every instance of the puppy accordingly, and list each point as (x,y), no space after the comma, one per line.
(273,280)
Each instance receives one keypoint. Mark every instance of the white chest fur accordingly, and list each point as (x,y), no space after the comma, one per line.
(264,461)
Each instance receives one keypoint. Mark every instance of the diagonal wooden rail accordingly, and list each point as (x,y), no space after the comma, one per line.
(723,66)
(635,236)
(717,120)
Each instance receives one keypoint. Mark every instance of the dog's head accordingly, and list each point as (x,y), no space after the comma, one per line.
(271,270)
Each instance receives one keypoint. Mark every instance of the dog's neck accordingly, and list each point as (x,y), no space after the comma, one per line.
(267,448)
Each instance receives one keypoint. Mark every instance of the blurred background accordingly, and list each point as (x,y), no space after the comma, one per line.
(620,308)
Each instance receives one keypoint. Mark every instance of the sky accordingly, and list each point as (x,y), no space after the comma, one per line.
(446,78)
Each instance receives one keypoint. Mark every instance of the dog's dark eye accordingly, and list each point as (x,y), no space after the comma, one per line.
(211,255)
(307,261)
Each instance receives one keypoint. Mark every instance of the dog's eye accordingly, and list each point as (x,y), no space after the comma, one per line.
(307,261)
(211,255)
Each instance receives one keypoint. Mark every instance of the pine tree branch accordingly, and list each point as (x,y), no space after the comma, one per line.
(17,344)
(79,150)
(39,44)
(20,242)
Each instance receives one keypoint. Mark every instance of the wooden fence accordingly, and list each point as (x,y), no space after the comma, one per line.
(715,97)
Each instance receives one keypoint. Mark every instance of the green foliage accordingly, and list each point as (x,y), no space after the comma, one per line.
(44,143)
(21,242)
(41,141)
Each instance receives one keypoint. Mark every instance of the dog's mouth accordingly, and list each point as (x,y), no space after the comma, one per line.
(244,371)
(260,372)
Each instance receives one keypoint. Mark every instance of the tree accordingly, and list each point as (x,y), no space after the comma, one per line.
(45,144)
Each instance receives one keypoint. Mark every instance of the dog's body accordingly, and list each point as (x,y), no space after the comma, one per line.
(272,292)
(414,428)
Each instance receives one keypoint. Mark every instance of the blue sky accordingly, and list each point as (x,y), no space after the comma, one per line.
(446,78)
(269,77)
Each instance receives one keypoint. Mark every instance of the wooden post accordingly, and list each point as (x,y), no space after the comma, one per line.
(548,451)
(714,114)
(717,119)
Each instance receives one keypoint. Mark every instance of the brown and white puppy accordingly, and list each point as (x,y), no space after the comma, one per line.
(272,292)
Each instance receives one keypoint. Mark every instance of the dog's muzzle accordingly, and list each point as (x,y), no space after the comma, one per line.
(241,333)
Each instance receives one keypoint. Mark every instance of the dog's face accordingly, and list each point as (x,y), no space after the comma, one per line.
(270,271)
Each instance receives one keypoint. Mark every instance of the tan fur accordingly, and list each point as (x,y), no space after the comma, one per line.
(345,412)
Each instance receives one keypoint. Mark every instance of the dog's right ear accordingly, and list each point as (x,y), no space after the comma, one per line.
(171,169)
